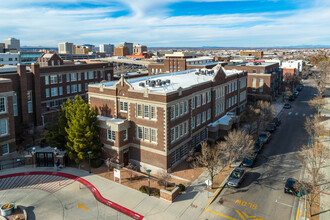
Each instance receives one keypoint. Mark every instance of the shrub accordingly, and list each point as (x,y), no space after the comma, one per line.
(156,192)
(181,187)
(96,163)
(144,189)
(161,183)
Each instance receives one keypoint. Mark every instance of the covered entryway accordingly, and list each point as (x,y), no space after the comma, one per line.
(45,159)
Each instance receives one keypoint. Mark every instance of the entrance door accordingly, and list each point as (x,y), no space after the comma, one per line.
(126,158)
(45,159)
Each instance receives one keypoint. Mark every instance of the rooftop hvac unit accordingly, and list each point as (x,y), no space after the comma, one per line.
(163,83)
(152,84)
(204,73)
(158,83)
(152,81)
(141,84)
(168,81)
(197,73)
(147,81)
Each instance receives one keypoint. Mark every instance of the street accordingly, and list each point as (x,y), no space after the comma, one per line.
(261,195)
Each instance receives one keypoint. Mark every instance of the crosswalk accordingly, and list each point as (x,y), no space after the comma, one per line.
(48,183)
(300,114)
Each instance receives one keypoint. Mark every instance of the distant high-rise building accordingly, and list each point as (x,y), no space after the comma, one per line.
(121,51)
(12,44)
(128,45)
(107,48)
(139,49)
(65,48)
(90,47)
(81,49)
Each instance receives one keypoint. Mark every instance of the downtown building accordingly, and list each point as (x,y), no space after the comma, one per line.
(32,94)
(155,121)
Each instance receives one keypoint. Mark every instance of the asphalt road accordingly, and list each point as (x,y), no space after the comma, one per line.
(261,195)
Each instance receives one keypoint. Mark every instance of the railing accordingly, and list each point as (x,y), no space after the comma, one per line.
(11,163)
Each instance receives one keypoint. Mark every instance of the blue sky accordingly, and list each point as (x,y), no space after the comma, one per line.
(166,23)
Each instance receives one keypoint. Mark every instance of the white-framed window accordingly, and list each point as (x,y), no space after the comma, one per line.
(229,88)
(60,90)
(203,98)
(68,89)
(91,75)
(30,101)
(146,134)
(193,103)
(261,85)
(79,87)
(15,104)
(47,92)
(59,77)
(139,132)
(208,96)
(181,108)
(5,149)
(79,76)
(53,79)
(74,88)
(125,135)
(198,120)
(186,106)
(153,113)
(185,127)
(177,110)
(3,103)
(146,111)
(254,84)
(139,110)
(123,106)
(203,116)
(172,112)
(54,91)
(111,135)
(68,77)
(73,77)
(198,101)
(193,122)
(3,127)
(172,134)
(209,114)
(46,80)
(153,135)
(176,132)
(235,84)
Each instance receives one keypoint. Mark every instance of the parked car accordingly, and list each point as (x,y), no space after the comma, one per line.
(299,88)
(257,146)
(295,94)
(291,98)
(249,160)
(271,127)
(287,105)
(264,137)
(236,177)
(278,118)
(289,186)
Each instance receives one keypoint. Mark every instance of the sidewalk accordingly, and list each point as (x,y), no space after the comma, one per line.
(189,205)
(278,104)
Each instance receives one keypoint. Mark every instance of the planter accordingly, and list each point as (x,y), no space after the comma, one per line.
(7,209)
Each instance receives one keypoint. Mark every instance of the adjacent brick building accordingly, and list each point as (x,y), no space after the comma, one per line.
(121,51)
(256,53)
(264,79)
(154,121)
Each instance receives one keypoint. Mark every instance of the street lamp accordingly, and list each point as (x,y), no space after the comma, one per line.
(149,171)
(300,195)
(89,159)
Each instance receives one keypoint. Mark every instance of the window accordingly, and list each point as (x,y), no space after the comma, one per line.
(203,98)
(79,76)
(85,75)
(235,84)
(46,80)
(172,112)
(146,111)
(198,101)
(153,135)
(125,135)
(73,88)
(193,103)
(229,88)
(185,127)
(208,96)
(254,71)
(172,135)
(86,86)
(54,91)
(139,110)
(15,104)
(235,99)
(123,106)
(139,133)
(95,75)
(67,77)
(60,90)
(203,116)
(111,135)
(147,134)
(209,114)
(176,132)
(193,122)
(261,71)
(198,120)
(30,103)
(91,75)
(3,127)
(181,108)
(261,85)
(73,77)
(2,104)
(53,79)
(59,77)
(79,87)
(254,84)
(5,149)
(67,89)
(186,107)
(177,110)
(153,112)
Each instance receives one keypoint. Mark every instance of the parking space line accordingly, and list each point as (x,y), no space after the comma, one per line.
(283,203)
(297,113)
(304,115)
(297,216)
(220,189)
(220,214)
(240,214)
(289,113)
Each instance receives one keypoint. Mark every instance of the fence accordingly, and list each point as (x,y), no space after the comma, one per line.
(11,163)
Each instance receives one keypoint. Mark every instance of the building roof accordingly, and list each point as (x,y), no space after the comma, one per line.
(256,64)
(204,64)
(111,120)
(199,59)
(173,81)
(8,68)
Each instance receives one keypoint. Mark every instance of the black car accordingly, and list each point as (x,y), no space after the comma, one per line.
(249,161)
(271,127)
(257,146)
(287,105)
(289,186)
(291,98)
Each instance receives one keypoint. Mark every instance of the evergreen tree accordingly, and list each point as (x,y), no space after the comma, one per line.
(82,130)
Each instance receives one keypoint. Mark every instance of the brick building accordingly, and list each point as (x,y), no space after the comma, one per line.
(121,51)
(264,79)
(256,53)
(154,121)
(179,61)
(38,91)
(289,72)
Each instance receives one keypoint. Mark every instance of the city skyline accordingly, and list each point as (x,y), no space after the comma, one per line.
(168,23)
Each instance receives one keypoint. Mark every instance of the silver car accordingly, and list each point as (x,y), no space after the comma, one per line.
(236,177)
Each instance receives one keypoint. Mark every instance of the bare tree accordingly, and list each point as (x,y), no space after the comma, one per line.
(131,168)
(109,161)
(165,178)
(313,126)
(265,114)
(317,102)
(237,145)
(291,81)
(313,159)
(249,117)
(210,158)
(321,77)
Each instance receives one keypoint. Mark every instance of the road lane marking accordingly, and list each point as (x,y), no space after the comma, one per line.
(297,216)
(296,113)
(289,113)
(220,214)
(311,115)
(249,216)
(81,205)
(304,115)
(283,203)
(240,215)
(220,189)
